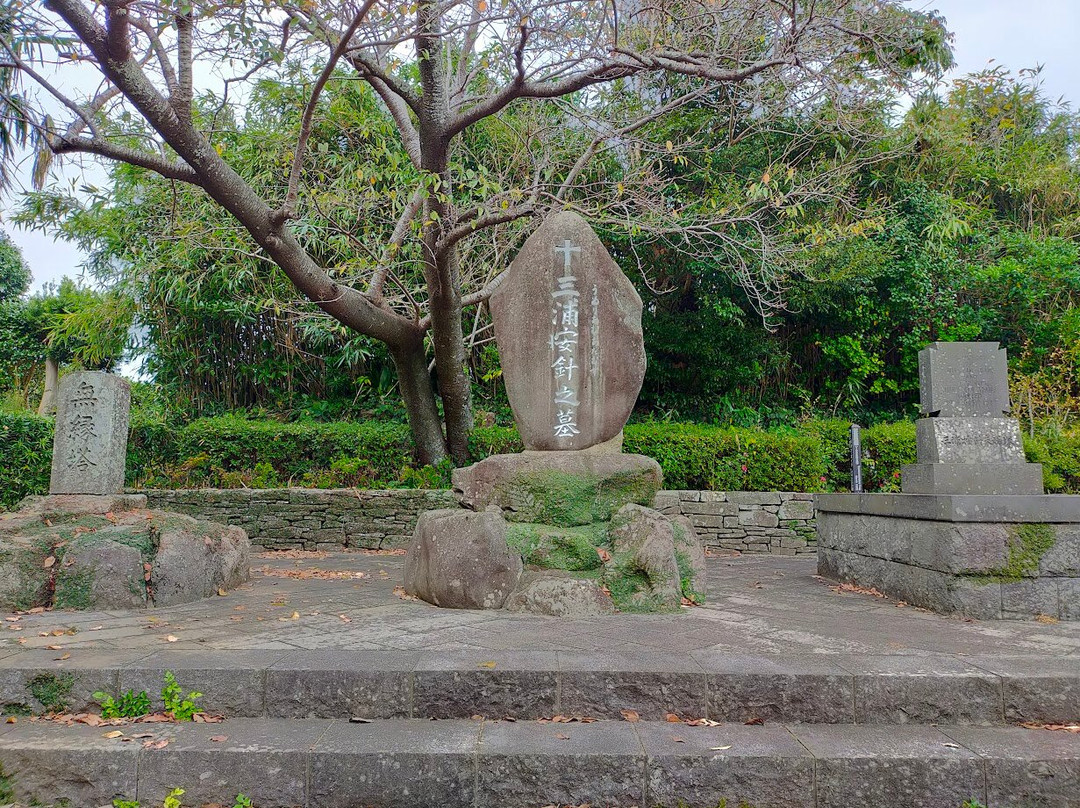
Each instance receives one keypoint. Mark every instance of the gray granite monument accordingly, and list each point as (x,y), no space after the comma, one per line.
(965,444)
(90,447)
(561,528)
(972,531)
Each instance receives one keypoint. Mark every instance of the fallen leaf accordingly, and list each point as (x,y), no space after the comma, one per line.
(630,715)
(62,658)
(221,592)
(55,647)
(219,738)
(36,610)
(755,722)
(96,628)
(1045,618)
(357,720)
(171,638)
(562,737)
(156,744)
(703,722)
(11,719)
(344,619)
(477,718)
(113,734)
(671,718)
(14,619)
(676,739)
(295,616)
(49,561)
(487,665)
(1052,727)
(605,556)
(952,745)
(58,632)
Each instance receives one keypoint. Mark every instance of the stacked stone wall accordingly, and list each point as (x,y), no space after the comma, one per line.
(291,518)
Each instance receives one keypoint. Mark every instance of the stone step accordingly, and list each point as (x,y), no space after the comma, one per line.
(721,686)
(319,763)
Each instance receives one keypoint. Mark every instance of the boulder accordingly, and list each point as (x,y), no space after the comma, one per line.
(195,559)
(558,488)
(53,555)
(644,542)
(461,560)
(559,594)
(690,556)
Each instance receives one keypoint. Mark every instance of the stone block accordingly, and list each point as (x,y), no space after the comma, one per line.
(340,684)
(90,445)
(601,685)
(214,770)
(734,765)
(917,767)
(519,684)
(790,689)
(408,764)
(968,440)
(709,508)
(754,497)
(43,772)
(1025,768)
(1029,597)
(796,509)
(965,379)
(526,764)
(923,689)
(1044,690)
(758,518)
(972,478)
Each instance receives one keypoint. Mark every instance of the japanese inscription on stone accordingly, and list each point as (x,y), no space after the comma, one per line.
(568,326)
(964,379)
(90,444)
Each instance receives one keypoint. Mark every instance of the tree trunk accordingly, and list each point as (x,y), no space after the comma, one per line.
(414,383)
(48,395)
(441,266)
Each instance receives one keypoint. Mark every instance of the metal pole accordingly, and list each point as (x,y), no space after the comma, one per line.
(856,460)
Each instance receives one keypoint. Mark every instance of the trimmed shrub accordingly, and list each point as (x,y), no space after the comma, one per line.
(25,456)
(887,447)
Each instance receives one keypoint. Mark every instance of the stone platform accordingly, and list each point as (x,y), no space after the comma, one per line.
(1002,556)
(847,686)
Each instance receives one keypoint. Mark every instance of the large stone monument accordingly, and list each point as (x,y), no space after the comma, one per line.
(563,528)
(965,445)
(972,532)
(87,544)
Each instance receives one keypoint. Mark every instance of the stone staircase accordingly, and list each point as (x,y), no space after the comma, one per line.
(321,728)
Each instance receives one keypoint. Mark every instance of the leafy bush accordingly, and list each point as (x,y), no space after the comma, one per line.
(25,456)
(128,705)
(886,448)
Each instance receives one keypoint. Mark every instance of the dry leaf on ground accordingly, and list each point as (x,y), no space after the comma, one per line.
(630,715)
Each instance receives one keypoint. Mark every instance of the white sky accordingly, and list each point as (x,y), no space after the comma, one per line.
(1015,33)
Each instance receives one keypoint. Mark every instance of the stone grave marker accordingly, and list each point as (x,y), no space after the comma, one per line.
(568,326)
(90,446)
(966,446)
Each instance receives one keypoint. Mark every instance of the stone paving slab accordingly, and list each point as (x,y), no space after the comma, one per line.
(323,763)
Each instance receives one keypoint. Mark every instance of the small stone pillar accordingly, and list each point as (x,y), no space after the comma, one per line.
(90,447)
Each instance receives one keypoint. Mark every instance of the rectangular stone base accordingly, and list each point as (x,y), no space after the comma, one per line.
(972,478)
(979,568)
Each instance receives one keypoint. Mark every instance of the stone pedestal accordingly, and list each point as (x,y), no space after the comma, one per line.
(990,557)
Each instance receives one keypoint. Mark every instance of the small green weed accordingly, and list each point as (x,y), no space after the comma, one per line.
(173,801)
(129,705)
(52,690)
(181,707)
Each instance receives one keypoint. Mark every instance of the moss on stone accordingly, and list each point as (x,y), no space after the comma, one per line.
(1028,543)
(686,576)
(563,548)
(570,500)
(73,589)
(52,690)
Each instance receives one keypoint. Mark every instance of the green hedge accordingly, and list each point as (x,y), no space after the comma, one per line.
(25,456)
(231,451)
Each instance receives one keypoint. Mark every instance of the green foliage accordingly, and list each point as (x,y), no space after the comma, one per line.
(52,690)
(561,548)
(26,455)
(172,800)
(179,706)
(886,448)
(129,705)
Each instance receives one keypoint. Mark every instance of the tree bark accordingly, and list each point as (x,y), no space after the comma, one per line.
(48,395)
(441,266)
(414,384)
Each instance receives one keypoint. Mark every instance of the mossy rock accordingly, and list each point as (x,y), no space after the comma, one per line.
(564,489)
(1027,544)
(558,548)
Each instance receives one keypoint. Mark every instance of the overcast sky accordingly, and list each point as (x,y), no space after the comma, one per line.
(1015,33)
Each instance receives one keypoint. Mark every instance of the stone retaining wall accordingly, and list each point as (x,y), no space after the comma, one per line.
(781,523)
(289,518)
